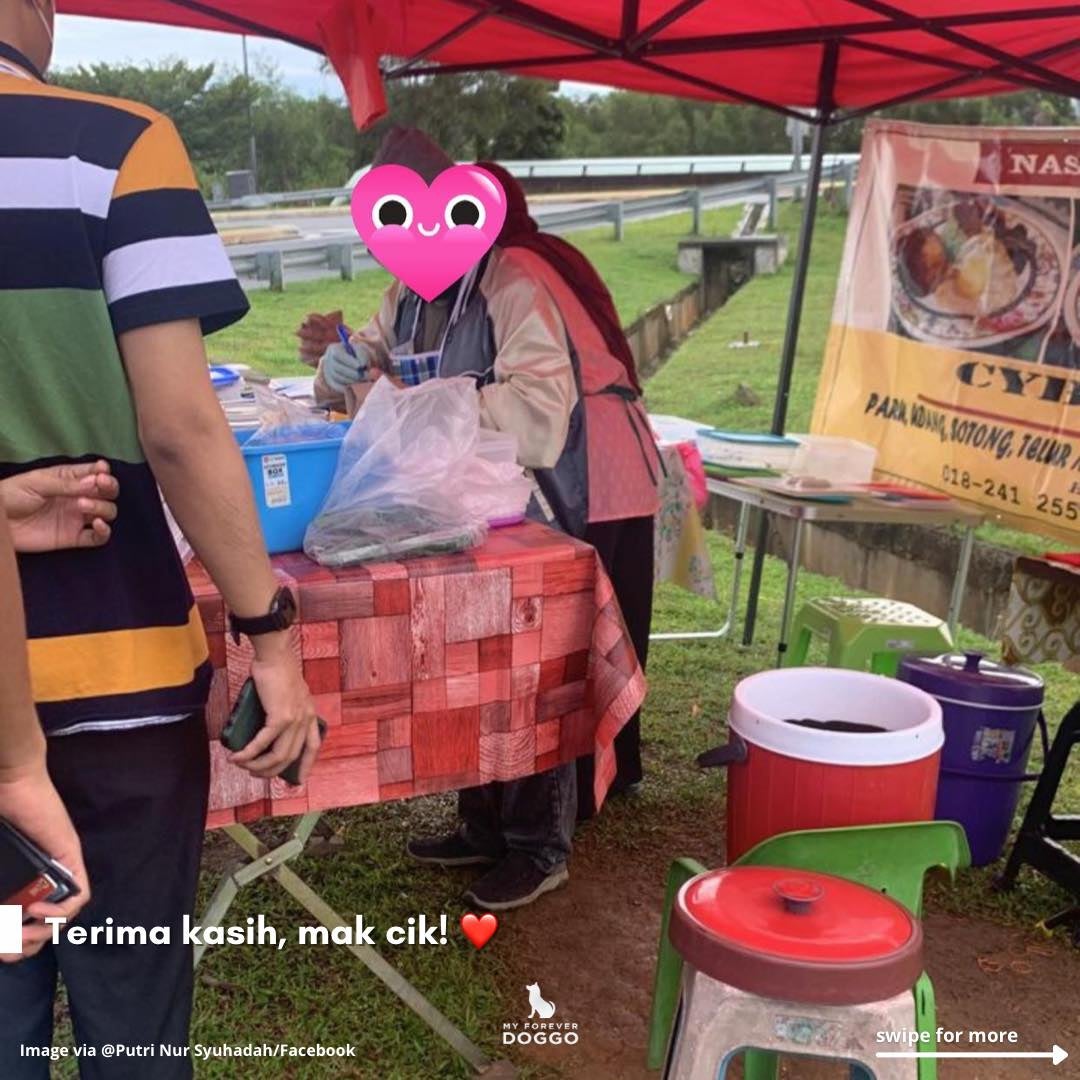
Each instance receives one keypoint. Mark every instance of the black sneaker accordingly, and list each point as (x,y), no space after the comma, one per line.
(450,850)
(514,882)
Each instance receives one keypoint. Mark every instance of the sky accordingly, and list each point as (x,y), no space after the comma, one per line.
(86,41)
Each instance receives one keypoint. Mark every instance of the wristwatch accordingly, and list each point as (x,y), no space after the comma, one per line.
(281,616)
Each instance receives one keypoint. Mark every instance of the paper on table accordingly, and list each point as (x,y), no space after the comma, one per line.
(298,386)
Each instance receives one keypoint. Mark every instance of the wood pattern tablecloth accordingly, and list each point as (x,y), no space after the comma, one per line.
(439,673)
(1042,619)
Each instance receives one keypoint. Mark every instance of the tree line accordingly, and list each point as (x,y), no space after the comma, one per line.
(311,142)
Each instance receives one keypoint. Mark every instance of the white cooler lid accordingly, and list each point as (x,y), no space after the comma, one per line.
(763,702)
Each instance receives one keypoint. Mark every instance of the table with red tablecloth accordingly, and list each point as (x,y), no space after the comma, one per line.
(432,674)
(438,673)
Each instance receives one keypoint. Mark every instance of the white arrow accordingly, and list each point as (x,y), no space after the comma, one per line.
(1057,1055)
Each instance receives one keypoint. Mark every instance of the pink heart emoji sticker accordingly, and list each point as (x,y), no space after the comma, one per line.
(428,237)
(479,930)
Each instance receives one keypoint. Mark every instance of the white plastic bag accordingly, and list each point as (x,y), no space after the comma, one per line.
(284,421)
(415,476)
(495,487)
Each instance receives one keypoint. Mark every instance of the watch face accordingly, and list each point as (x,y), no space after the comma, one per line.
(285,604)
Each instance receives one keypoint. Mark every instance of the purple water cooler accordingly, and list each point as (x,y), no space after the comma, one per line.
(989,712)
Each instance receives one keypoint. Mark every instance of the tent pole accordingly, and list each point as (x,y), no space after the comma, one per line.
(787,356)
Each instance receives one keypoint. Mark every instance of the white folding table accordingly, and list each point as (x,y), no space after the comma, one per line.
(805,512)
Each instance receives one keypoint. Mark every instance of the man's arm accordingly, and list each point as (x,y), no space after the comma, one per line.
(27,797)
(200,470)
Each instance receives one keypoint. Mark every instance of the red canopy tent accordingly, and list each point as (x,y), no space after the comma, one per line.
(822,60)
(788,55)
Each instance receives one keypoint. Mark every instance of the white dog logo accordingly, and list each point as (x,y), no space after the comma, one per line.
(544,1009)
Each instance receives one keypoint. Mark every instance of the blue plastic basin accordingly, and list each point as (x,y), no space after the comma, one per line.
(290,482)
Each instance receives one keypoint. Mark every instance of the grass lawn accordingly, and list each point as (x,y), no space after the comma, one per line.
(322,994)
(640,271)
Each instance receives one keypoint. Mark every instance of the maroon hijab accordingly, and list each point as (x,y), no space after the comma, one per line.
(520,230)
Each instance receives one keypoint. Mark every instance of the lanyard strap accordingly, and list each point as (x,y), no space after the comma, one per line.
(463,294)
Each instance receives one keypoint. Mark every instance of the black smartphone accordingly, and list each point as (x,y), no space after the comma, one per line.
(245,722)
(28,874)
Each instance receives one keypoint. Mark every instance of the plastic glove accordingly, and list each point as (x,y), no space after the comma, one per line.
(340,370)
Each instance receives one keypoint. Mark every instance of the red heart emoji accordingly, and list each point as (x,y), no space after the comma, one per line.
(479,930)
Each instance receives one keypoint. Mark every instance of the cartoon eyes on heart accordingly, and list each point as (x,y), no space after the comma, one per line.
(394,209)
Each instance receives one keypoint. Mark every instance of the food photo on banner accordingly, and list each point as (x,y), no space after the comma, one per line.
(955,339)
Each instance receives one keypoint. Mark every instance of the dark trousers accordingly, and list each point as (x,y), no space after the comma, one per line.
(537,813)
(138,801)
(534,814)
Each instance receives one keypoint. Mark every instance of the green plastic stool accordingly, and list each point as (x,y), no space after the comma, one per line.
(866,633)
(891,858)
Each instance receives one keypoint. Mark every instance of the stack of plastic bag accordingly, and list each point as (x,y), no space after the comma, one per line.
(285,421)
(417,475)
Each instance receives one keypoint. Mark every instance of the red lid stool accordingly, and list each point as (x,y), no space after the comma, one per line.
(794,962)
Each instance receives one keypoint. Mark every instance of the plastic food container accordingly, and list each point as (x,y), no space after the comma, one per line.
(797,935)
(990,712)
(290,482)
(744,450)
(227,384)
(832,458)
(783,776)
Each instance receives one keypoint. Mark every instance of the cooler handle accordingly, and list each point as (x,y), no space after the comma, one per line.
(732,753)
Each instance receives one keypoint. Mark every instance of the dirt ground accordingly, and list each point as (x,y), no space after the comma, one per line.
(985,976)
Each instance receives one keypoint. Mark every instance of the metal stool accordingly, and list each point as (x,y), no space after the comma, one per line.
(866,633)
(791,962)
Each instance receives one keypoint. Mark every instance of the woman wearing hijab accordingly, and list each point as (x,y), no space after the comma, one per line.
(536,327)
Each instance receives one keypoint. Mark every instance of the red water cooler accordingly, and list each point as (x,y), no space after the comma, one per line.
(814,748)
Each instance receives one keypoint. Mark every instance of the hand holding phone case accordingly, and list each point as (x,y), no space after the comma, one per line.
(245,722)
(28,874)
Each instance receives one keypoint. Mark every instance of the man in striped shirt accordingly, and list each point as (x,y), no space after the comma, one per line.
(110,274)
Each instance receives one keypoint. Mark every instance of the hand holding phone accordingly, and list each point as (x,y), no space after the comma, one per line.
(46,840)
(28,874)
(247,719)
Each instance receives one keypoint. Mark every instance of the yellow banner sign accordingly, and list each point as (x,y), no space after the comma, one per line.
(955,340)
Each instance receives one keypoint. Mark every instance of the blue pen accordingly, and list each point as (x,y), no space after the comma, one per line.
(343,333)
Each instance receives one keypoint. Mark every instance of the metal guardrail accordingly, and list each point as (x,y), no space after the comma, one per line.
(269,199)
(611,169)
(346,258)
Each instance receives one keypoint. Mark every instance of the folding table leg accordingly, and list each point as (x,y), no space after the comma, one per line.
(789,592)
(219,905)
(733,605)
(266,861)
(967,546)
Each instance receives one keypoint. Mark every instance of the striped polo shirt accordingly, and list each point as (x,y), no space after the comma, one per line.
(102,230)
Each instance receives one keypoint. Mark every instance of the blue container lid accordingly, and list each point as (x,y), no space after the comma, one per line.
(748,438)
(972,677)
(221,377)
